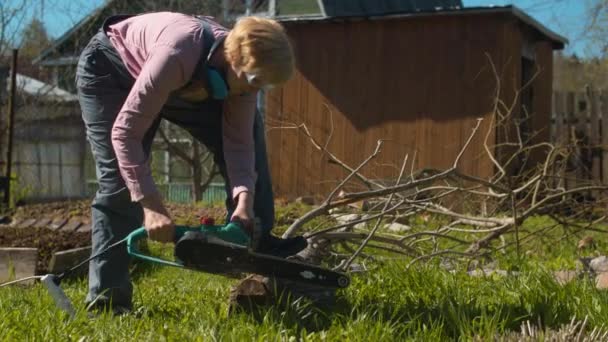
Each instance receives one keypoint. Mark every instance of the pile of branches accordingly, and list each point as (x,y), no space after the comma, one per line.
(463,216)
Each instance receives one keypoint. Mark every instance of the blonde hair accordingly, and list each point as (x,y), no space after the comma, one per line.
(261,46)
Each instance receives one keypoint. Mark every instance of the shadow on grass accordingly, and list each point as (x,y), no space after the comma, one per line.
(452,315)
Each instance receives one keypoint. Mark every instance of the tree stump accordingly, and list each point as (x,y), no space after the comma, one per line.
(257,291)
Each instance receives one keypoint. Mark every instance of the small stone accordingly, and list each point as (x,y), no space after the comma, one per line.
(360,205)
(448,265)
(363,225)
(586,242)
(489,272)
(337,210)
(477,273)
(356,268)
(601,281)
(564,277)
(397,227)
(308,200)
(346,218)
(599,264)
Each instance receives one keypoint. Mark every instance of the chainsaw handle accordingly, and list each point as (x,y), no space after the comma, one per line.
(139,234)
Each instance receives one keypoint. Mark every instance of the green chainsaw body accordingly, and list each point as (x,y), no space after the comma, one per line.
(232,233)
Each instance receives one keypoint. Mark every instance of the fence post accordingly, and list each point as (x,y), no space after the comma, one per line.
(558,138)
(603,110)
(11,125)
(594,138)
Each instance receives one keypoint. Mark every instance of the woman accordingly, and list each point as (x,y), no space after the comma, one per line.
(195,73)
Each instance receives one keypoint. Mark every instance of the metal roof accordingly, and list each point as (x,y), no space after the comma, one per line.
(342,8)
(41,90)
(558,40)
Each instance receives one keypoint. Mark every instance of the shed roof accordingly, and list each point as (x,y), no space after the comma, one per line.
(557,40)
(341,8)
(43,91)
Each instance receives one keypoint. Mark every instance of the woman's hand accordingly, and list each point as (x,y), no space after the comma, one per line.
(244,211)
(158,224)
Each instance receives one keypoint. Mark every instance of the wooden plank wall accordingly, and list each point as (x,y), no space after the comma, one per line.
(419,83)
(49,159)
(581,119)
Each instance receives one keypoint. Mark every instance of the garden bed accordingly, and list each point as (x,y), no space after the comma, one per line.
(42,230)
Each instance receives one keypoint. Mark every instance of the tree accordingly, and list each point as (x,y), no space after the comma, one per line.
(575,74)
(12,15)
(597,26)
(34,39)
(196,157)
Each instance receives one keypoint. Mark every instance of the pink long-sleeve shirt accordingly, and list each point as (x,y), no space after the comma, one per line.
(161,50)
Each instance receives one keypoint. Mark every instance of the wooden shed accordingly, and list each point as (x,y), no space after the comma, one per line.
(418,80)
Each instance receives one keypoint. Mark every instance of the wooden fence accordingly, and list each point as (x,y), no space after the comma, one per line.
(581,119)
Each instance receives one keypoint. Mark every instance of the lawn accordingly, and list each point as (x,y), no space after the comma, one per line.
(425,302)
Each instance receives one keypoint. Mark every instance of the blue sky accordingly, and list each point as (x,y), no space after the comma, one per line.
(565,17)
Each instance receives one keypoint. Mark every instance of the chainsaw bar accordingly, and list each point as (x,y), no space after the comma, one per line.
(205,252)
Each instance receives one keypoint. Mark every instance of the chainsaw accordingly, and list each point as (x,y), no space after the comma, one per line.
(227,250)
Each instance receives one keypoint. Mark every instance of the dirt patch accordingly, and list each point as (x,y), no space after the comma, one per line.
(55,210)
(46,240)
(49,241)
(183,214)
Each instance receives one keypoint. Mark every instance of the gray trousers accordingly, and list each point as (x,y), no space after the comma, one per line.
(103,84)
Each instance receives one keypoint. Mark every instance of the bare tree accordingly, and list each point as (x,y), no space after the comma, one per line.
(199,160)
(12,18)
(597,25)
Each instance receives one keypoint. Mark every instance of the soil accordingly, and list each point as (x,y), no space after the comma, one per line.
(49,241)
(46,240)
(183,214)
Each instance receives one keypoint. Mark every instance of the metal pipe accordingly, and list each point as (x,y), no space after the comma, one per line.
(10,125)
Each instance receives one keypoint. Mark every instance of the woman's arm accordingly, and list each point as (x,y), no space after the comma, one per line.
(161,74)
(237,129)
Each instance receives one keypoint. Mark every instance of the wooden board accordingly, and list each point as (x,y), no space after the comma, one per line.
(16,263)
(27,223)
(72,225)
(61,261)
(84,228)
(58,223)
(42,223)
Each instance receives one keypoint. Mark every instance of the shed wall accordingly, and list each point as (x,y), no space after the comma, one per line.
(420,84)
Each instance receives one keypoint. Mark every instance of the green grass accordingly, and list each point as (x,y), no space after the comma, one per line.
(424,303)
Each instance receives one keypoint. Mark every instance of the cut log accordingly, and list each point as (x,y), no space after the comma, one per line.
(62,261)
(17,263)
(256,291)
